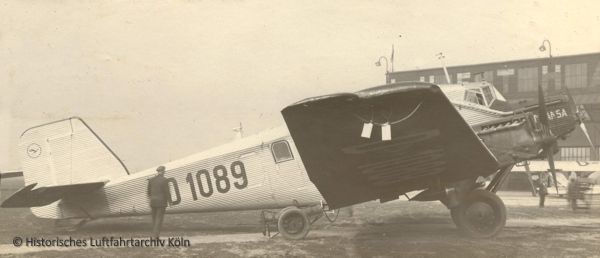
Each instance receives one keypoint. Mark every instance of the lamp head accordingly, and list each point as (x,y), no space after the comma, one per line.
(542,48)
(378,63)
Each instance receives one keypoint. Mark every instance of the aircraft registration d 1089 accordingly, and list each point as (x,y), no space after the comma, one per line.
(335,151)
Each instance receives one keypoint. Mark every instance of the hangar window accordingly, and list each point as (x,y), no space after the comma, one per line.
(527,79)
(575,153)
(281,151)
(576,75)
(463,77)
(440,78)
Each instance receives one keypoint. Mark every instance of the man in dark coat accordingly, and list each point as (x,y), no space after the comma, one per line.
(542,189)
(159,195)
(572,192)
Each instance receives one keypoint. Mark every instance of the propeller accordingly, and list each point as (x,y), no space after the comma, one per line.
(581,116)
(548,142)
(585,131)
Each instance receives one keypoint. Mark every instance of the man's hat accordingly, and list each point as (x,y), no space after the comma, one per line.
(160,169)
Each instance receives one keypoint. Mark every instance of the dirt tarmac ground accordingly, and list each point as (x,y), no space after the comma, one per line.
(394,229)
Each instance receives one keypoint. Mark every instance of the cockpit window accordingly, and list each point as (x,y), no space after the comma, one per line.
(482,96)
(487,93)
(474,97)
(281,151)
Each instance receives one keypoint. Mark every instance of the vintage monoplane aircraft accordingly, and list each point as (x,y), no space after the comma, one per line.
(335,151)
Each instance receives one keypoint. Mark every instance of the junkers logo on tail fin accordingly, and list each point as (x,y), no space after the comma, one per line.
(34,150)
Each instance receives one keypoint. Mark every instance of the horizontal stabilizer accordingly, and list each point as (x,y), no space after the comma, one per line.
(9,174)
(42,196)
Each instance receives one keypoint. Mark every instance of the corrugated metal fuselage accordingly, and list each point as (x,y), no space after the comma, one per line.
(244,179)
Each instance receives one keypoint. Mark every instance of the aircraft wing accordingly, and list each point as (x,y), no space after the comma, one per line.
(42,196)
(430,142)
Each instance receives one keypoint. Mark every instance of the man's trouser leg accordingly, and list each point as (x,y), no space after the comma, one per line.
(542,199)
(153,216)
(160,212)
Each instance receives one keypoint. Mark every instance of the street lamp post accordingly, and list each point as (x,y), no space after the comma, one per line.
(387,71)
(542,108)
(543,47)
(378,63)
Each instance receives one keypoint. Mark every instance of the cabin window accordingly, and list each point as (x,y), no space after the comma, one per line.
(281,151)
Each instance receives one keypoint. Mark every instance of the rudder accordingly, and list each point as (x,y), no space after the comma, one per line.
(66,152)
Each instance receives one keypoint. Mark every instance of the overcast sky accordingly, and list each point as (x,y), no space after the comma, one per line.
(161,81)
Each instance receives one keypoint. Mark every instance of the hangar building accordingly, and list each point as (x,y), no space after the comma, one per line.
(518,81)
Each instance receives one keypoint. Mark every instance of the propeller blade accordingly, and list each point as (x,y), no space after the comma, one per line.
(587,135)
(572,104)
(552,168)
(581,116)
(542,114)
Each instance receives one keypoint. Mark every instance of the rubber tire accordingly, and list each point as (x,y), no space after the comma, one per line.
(480,196)
(300,217)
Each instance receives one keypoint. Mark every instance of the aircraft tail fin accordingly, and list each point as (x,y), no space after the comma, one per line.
(66,152)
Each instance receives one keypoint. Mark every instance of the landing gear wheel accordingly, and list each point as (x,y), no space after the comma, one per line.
(481,215)
(293,223)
